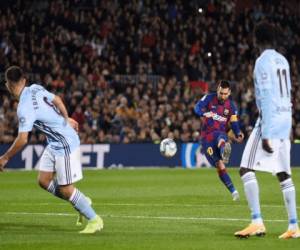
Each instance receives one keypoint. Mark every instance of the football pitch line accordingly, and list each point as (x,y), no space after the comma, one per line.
(146,217)
(234,204)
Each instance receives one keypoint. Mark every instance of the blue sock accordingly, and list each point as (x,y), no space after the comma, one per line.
(225,178)
(81,204)
(53,188)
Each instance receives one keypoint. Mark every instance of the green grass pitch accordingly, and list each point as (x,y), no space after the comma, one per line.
(142,209)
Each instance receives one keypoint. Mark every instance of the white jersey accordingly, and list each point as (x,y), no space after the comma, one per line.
(273,94)
(36,109)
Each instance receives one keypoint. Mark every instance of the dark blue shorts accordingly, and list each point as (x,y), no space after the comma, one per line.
(211,150)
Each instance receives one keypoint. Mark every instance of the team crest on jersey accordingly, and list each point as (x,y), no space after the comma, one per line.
(226,112)
(22,120)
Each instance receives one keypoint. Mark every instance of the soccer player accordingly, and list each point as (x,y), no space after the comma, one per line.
(268,147)
(60,165)
(219,114)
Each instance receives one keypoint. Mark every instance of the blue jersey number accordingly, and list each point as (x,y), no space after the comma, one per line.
(51,105)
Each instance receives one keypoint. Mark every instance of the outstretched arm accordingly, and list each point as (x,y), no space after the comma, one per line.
(18,144)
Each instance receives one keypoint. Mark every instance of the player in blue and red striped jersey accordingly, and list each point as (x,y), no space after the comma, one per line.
(219,114)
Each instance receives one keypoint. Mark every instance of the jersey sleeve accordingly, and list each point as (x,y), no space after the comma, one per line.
(26,119)
(201,106)
(263,89)
(234,122)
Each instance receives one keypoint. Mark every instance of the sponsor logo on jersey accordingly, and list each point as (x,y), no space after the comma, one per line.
(220,118)
(283,109)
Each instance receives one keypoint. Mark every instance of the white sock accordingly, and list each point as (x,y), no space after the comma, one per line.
(289,196)
(81,204)
(53,188)
(252,194)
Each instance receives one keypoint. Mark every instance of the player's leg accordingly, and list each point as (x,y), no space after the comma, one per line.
(289,197)
(222,150)
(226,180)
(69,171)
(251,187)
(82,204)
(48,182)
(225,148)
(46,176)
(252,195)
(212,154)
(288,191)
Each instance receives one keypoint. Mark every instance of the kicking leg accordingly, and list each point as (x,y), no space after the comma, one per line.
(225,149)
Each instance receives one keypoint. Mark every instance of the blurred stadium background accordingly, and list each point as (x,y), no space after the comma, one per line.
(130,73)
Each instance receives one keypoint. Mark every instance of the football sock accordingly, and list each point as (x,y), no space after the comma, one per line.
(289,196)
(81,204)
(54,189)
(252,194)
(225,178)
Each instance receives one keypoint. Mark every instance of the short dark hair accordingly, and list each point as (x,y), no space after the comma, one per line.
(265,33)
(224,84)
(13,74)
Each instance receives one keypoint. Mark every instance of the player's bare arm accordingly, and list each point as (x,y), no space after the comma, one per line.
(18,144)
(57,101)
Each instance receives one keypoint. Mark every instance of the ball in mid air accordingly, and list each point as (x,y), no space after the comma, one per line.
(168,147)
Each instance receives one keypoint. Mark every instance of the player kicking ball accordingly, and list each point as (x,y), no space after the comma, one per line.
(60,165)
(218,113)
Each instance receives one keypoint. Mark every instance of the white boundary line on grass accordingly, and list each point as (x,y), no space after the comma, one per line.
(149,205)
(145,217)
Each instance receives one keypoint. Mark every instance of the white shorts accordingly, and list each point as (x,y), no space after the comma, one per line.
(68,168)
(254,157)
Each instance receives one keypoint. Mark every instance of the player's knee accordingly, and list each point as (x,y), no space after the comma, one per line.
(244,171)
(220,166)
(66,191)
(43,183)
(282,176)
(44,179)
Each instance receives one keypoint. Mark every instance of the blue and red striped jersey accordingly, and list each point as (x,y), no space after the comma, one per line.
(224,116)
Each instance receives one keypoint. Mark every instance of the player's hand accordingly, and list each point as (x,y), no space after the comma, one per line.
(240,137)
(266,146)
(3,161)
(73,124)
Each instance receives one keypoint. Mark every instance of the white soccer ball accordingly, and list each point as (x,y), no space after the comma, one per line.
(168,147)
